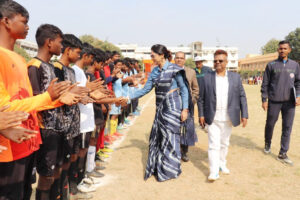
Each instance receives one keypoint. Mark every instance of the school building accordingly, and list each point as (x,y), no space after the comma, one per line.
(256,62)
(195,49)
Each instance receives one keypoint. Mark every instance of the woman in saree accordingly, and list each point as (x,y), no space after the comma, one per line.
(172,107)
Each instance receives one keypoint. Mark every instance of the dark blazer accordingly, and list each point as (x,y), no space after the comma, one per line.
(237,102)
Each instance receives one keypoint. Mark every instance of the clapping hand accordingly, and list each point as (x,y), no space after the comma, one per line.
(9,122)
(18,134)
(86,99)
(94,85)
(97,95)
(57,89)
(80,90)
(11,119)
(70,98)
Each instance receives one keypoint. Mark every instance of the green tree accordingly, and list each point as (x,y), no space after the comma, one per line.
(103,45)
(294,39)
(190,63)
(270,47)
(22,52)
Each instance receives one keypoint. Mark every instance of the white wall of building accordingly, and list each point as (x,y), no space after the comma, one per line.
(30,47)
(144,53)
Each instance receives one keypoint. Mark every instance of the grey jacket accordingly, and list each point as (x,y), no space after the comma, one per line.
(237,102)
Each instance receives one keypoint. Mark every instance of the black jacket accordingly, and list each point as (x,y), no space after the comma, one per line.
(279,80)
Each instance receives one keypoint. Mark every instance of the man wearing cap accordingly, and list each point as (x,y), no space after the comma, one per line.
(200,69)
(189,136)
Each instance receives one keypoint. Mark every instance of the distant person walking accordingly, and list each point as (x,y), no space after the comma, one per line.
(280,92)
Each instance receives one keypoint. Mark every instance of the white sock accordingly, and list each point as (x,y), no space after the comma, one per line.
(90,161)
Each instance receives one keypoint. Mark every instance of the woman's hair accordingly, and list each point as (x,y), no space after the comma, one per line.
(162,50)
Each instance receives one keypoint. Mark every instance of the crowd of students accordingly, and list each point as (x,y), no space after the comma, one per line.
(70,110)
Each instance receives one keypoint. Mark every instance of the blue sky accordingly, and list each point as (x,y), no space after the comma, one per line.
(247,25)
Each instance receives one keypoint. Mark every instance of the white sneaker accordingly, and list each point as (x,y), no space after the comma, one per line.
(85,188)
(224,170)
(91,180)
(213,177)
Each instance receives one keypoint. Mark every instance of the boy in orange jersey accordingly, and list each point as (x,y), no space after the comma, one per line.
(15,90)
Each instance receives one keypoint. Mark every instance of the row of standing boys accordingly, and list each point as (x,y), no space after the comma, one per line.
(64,108)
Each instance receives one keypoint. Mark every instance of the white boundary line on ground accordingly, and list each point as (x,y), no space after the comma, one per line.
(108,178)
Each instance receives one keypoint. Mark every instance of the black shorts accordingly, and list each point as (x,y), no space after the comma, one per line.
(85,140)
(15,178)
(50,154)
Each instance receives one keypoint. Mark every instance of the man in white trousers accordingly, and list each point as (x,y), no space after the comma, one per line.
(222,104)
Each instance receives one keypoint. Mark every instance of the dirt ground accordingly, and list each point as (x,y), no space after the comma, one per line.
(254,176)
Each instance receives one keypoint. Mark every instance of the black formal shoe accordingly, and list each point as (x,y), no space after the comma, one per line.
(185,158)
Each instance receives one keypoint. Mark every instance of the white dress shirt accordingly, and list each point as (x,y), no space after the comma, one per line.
(222,98)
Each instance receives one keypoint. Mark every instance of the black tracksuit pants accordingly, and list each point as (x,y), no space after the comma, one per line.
(287,109)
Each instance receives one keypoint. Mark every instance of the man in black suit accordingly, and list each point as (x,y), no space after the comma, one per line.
(222,104)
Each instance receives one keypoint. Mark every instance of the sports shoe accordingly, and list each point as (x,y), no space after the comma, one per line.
(80,195)
(120,127)
(126,120)
(224,170)
(102,154)
(284,159)
(213,177)
(108,139)
(91,181)
(95,174)
(136,113)
(106,150)
(98,168)
(125,126)
(267,149)
(99,161)
(85,188)
(138,108)
(118,134)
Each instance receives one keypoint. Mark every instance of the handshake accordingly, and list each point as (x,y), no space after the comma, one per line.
(121,101)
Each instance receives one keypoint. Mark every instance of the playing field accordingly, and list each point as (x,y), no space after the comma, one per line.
(254,176)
